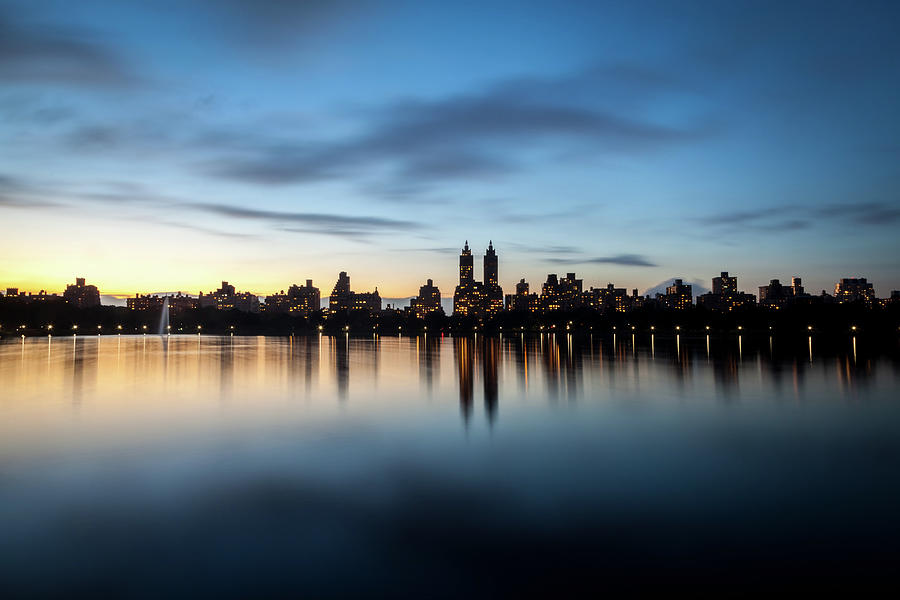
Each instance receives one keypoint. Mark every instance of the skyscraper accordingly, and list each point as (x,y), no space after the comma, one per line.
(490,265)
(492,289)
(466,269)
(724,285)
(473,298)
(428,300)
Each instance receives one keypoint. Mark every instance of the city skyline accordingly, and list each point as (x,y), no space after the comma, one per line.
(283,140)
(486,298)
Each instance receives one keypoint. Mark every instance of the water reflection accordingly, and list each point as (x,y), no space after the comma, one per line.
(553,366)
(512,464)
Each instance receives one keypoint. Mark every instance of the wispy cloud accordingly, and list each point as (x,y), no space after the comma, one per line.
(474,135)
(344,222)
(631,260)
(794,217)
(31,51)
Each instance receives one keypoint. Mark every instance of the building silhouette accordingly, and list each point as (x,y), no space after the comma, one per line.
(725,295)
(493,291)
(343,299)
(854,290)
(177,303)
(227,298)
(522,301)
(561,294)
(607,300)
(470,297)
(678,296)
(299,300)
(428,300)
(81,295)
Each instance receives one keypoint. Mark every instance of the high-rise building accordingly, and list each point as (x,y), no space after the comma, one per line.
(608,299)
(177,303)
(342,299)
(227,298)
(471,298)
(561,294)
(773,295)
(678,296)
(82,295)
(725,295)
(522,300)
(492,289)
(797,287)
(466,269)
(490,265)
(854,290)
(724,285)
(428,300)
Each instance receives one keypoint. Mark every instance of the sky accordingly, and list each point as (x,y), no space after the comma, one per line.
(170,145)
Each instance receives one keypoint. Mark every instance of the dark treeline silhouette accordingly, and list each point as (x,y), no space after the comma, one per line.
(821,320)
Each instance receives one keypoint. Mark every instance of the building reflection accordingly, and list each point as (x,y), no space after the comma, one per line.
(490,357)
(463,352)
(83,363)
(225,350)
(548,367)
(340,356)
(428,351)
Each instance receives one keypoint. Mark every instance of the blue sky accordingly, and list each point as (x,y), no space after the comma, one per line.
(170,145)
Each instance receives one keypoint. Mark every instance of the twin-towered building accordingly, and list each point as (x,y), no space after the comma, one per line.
(476,298)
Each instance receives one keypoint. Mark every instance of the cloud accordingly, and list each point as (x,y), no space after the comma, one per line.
(31,51)
(438,250)
(16,193)
(631,260)
(865,213)
(486,133)
(305,218)
(262,26)
(793,217)
(354,228)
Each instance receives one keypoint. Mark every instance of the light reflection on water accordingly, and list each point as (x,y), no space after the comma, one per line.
(477,465)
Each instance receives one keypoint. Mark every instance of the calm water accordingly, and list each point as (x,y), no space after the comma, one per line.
(425,467)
